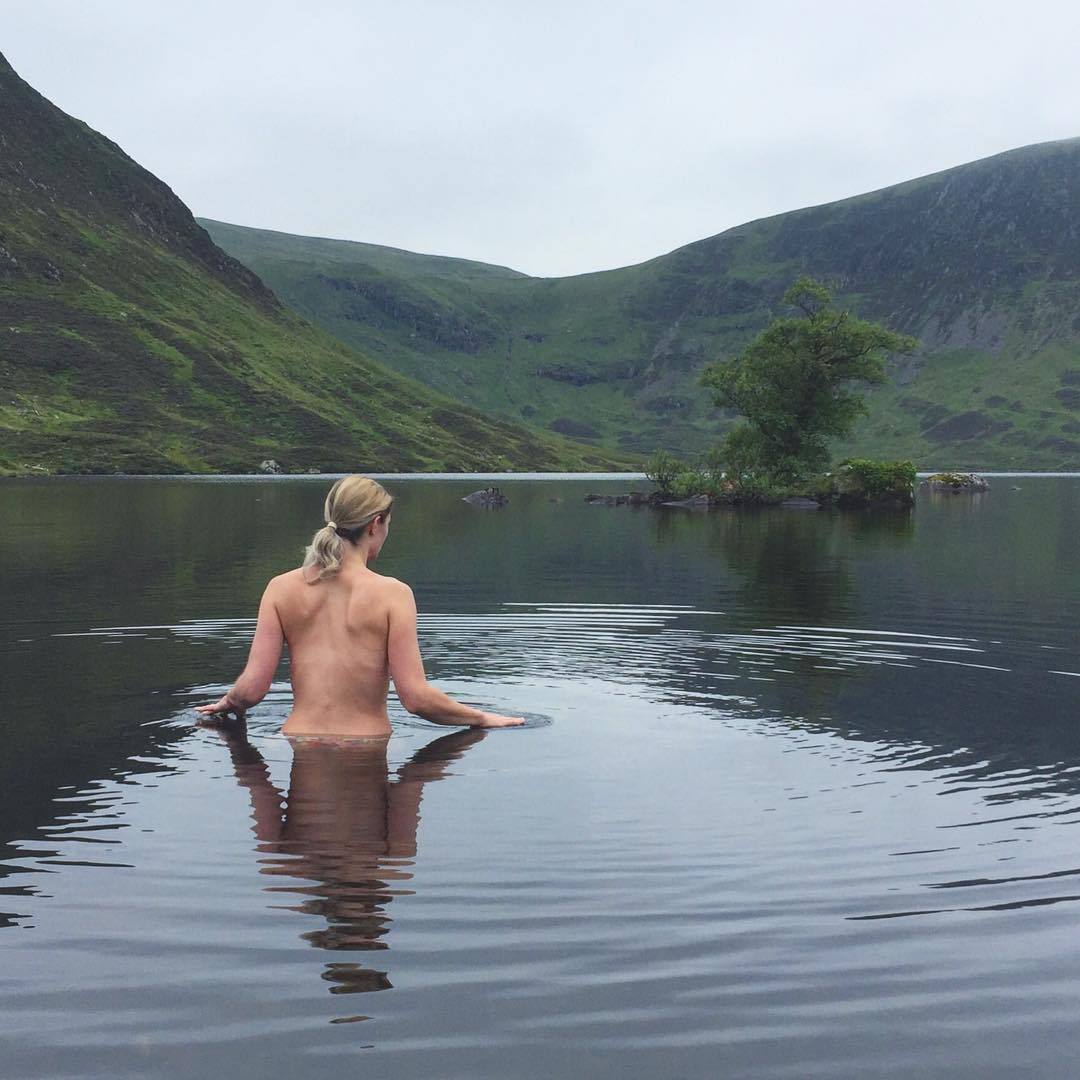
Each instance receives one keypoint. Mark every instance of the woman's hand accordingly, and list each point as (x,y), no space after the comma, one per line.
(491,719)
(220,710)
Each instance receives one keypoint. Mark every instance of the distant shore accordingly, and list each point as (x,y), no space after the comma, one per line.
(505,476)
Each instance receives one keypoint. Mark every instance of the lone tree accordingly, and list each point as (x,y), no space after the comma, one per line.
(797,385)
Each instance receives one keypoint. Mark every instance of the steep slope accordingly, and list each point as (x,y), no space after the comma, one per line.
(981,263)
(129,341)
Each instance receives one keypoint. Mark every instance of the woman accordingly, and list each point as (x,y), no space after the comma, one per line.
(349,632)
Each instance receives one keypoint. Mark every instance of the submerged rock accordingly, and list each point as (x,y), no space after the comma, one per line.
(696,502)
(631,498)
(487,499)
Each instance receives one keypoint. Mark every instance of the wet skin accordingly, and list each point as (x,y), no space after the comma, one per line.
(348,635)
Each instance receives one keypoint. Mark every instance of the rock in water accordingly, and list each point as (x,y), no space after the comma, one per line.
(487,499)
(958,482)
(631,498)
(697,502)
(269,466)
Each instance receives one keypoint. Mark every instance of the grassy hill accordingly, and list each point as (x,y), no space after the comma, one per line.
(130,342)
(980,262)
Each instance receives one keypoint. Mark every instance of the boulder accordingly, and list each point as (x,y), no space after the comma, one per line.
(957,483)
(270,466)
(487,499)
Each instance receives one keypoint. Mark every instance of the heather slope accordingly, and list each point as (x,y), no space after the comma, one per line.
(130,342)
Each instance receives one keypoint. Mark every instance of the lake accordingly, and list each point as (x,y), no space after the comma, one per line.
(794,798)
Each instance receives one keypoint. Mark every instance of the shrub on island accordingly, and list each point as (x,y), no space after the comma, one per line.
(797,388)
(854,483)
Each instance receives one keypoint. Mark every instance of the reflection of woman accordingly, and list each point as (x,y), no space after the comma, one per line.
(345,835)
(349,632)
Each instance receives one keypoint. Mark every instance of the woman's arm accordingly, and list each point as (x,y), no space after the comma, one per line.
(407,671)
(262,662)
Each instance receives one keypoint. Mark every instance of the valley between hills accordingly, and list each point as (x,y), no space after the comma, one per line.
(981,263)
(136,338)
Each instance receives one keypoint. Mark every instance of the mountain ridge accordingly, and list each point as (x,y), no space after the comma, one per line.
(981,261)
(130,342)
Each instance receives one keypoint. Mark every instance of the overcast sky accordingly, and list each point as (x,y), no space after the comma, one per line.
(555,137)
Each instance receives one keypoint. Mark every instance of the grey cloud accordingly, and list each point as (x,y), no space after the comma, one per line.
(558,137)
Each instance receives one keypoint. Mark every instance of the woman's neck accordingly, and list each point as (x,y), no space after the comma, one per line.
(356,555)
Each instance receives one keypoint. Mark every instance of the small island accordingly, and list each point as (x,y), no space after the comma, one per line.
(796,387)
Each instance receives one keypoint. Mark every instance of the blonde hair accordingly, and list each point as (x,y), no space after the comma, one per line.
(352,504)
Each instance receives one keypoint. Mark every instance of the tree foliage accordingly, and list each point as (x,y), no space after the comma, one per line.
(798,384)
(663,469)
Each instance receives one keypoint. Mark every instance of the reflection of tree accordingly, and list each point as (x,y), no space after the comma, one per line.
(795,565)
(344,837)
(793,568)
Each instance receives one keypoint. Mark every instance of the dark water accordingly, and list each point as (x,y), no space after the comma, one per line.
(798,798)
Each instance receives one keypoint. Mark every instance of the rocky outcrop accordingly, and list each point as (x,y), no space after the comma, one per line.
(957,483)
(487,499)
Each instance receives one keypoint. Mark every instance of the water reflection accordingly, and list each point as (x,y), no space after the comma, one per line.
(343,838)
(793,565)
(767,725)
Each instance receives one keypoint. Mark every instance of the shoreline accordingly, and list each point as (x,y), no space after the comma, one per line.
(399,476)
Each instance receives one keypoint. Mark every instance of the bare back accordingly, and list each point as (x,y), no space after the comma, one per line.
(349,634)
(337,631)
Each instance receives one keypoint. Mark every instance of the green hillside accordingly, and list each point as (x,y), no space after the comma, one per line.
(130,342)
(981,263)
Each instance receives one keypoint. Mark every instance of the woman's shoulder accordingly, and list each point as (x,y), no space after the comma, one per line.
(300,579)
(284,583)
(393,586)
